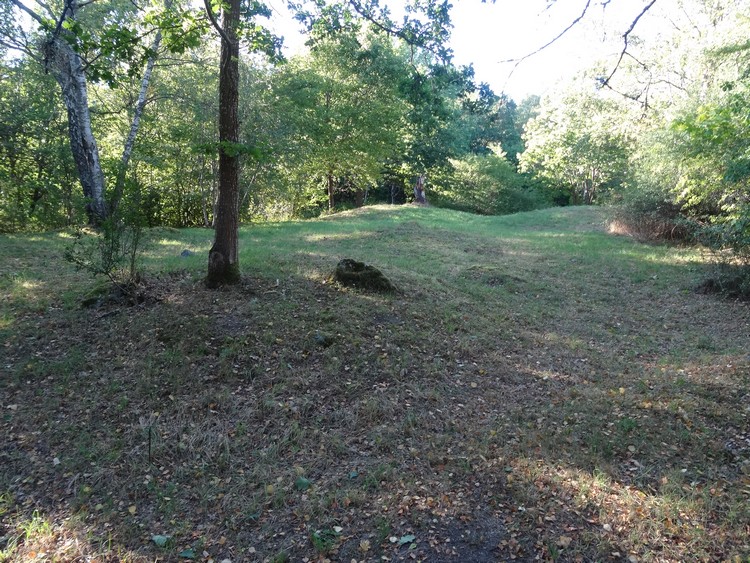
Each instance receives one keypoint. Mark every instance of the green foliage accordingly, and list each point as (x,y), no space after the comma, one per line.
(37,174)
(340,113)
(114,251)
(728,242)
(714,142)
(579,143)
(182,29)
(108,37)
(651,214)
(361,115)
(488,185)
(175,160)
(324,540)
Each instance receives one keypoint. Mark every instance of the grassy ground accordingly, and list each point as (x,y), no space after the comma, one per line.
(539,390)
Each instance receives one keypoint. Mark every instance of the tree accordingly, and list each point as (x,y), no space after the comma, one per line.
(345,102)
(223,258)
(578,143)
(75,47)
(67,67)
(37,174)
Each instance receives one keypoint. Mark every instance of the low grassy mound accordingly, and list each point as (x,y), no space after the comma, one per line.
(538,389)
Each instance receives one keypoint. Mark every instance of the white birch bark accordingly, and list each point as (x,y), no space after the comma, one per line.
(135,124)
(67,68)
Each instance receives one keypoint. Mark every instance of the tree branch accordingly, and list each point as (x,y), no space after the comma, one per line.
(29,11)
(23,47)
(386,27)
(212,19)
(58,27)
(46,7)
(625,38)
(543,47)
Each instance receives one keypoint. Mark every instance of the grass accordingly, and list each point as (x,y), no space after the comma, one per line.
(538,389)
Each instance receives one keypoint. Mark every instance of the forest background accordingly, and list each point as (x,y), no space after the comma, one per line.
(363,113)
(536,389)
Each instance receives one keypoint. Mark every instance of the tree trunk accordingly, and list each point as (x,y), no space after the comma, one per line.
(223,258)
(419,195)
(331,186)
(67,68)
(135,124)
(360,196)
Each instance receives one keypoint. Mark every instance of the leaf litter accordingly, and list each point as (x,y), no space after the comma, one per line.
(482,426)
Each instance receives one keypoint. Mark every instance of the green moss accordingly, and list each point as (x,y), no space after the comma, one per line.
(229,274)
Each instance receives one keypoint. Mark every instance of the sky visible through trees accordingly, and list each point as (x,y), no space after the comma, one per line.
(492,35)
(531,386)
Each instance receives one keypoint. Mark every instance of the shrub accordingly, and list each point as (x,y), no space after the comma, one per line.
(488,185)
(727,242)
(652,215)
(114,251)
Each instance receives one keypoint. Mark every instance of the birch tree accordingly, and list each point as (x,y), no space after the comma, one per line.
(75,53)
(56,52)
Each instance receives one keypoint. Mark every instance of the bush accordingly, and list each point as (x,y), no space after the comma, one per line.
(114,251)
(652,215)
(488,185)
(727,242)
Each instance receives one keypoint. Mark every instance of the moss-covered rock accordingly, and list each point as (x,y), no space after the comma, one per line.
(352,273)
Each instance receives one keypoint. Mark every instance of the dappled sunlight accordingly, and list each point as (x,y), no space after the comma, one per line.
(510,400)
(351,235)
(6,321)
(60,536)
(29,284)
(18,289)
(170,243)
(633,521)
(666,256)
(175,245)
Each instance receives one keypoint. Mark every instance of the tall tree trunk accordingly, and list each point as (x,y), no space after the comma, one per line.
(223,258)
(331,186)
(67,68)
(419,195)
(135,124)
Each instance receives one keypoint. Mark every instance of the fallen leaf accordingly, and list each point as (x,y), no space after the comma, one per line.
(160,540)
(406,539)
(302,484)
(564,541)
(132,509)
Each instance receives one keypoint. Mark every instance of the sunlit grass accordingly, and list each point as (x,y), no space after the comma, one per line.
(536,380)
